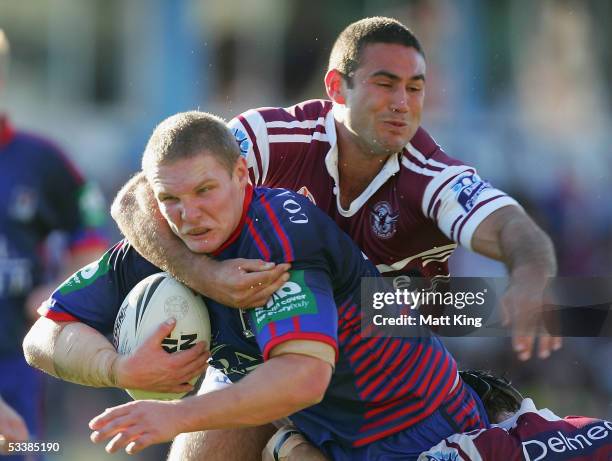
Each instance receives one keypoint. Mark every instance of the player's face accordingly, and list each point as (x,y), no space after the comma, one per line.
(385,102)
(200,199)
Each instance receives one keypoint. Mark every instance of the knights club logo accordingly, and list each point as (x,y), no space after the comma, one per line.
(383,220)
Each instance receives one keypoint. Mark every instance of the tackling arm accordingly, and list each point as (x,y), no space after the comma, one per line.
(139,219)
(510,236)
(236,283)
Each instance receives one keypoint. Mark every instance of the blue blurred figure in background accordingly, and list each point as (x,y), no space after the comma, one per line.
(41,192)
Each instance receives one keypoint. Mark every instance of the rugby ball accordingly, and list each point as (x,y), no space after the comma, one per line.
(150,303)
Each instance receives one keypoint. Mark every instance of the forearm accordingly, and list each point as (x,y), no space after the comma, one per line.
(509,235)
(278,388)
(139,219)
(71,351)
(526,250)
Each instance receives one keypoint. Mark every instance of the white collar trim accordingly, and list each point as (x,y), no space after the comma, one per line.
(390,168)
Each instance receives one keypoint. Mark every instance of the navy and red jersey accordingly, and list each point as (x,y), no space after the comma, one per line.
(407,220)
(530,435)
(40,192)
(372,394)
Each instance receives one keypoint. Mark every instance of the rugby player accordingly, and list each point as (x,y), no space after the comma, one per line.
(364,159)
(519,431)
(522,431)
(348,393)
(42,192)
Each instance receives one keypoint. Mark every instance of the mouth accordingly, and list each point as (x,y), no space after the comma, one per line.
(197,233)
(396,123)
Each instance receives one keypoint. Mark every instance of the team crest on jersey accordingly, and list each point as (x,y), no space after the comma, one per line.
(383,220)
(467,188)
(243,141)
(306,193)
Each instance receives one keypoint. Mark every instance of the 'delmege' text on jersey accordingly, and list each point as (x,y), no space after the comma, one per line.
(530,435)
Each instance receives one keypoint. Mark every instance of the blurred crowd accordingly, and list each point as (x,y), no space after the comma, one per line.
(519,89)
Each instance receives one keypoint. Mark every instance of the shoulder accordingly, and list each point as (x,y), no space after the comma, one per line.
(46,153)
(426,169)
(288,203)
(423,156)
(290,222)
(305,115)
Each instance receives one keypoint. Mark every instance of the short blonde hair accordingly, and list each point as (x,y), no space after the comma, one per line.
(188,134)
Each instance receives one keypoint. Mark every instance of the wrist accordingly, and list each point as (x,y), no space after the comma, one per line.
(531,273)
(119,372)
(190,417)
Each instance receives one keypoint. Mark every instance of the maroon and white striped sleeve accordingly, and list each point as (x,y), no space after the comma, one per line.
(458,200)
(251,133)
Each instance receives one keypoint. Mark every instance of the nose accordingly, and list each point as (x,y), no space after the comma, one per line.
(399,100)
(190,211)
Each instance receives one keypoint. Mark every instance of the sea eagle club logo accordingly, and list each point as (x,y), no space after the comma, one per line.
(383,220)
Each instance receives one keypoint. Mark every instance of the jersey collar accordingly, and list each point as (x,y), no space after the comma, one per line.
(390,168)
(6,131)
(248,198)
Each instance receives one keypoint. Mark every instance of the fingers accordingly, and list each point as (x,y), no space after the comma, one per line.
(161,332)
(254,265)
(139,444)
(198,352)
(523,346)
(108,415)
(548,344)
(119,424)
(122,439)
(262,280)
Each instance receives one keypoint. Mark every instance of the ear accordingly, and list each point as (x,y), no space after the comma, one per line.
(335,86)
(241,171)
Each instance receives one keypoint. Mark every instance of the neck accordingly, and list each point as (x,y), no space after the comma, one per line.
(356,167)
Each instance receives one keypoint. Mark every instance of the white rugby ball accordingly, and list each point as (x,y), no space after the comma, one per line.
(150,303)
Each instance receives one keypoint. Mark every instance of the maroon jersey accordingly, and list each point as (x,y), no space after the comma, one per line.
(530,435)
(411,216)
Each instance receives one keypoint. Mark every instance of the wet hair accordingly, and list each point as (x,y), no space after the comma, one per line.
(188,134)
(497,393)
(346,53)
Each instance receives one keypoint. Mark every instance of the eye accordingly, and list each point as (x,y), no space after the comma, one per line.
(383,84)
(167,199)
(203,190)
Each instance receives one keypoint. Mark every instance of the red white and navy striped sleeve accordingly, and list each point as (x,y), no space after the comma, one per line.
(94,293)
(303,309)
